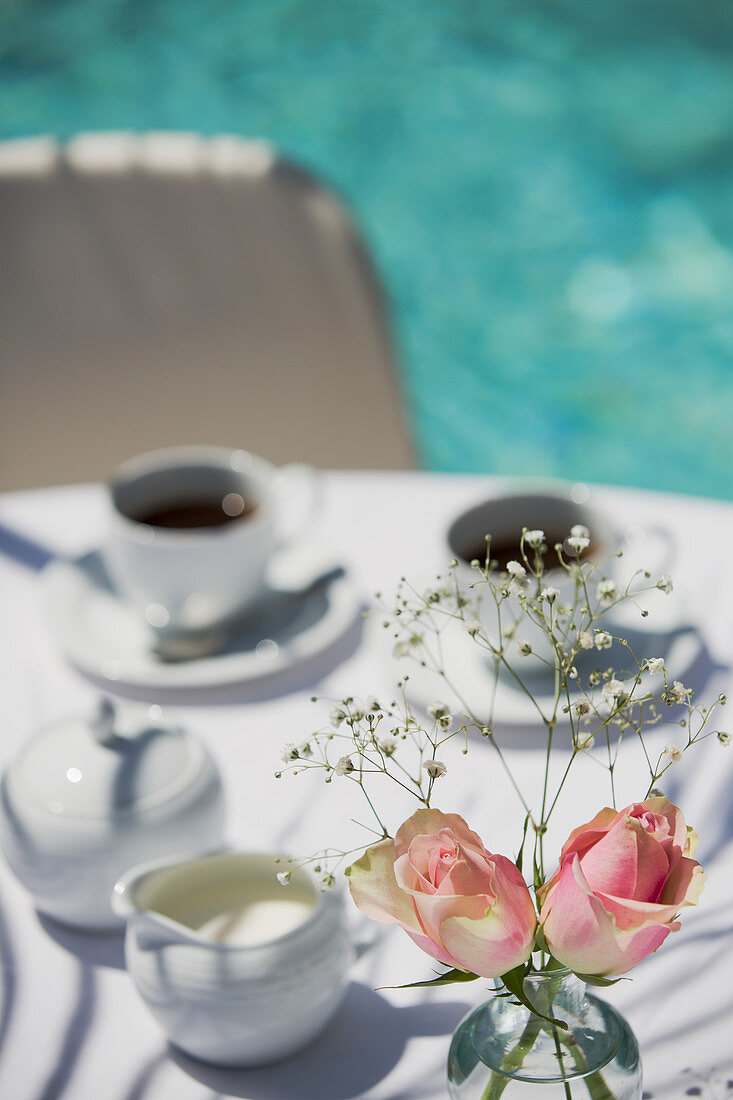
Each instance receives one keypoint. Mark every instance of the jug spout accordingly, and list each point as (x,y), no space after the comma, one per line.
(134,900)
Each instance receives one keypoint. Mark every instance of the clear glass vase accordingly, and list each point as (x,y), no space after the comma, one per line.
(504,1050)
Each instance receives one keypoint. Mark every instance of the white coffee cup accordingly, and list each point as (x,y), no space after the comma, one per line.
(546,507)
(554,508)
(188,579)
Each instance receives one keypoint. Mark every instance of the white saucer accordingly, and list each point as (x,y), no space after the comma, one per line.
(103,637)
(472,674)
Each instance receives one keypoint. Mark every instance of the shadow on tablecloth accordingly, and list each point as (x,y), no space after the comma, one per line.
(362,1045)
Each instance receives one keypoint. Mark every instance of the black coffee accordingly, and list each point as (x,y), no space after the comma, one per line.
(197,512)
(505,550)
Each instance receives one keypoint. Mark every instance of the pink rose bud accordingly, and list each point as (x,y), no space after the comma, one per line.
(621,882)
(464,906)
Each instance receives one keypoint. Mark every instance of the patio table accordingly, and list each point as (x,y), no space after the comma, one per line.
(71,1023)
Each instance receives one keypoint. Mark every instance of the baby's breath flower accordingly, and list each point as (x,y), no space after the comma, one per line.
(510,631)
(337,716)
(402,649)
(388,746)
(283,877)
(432,595)
(356,713)
(516,569)
(607,591)
(653,665)
(435,768)
(534,538)
(440,712)
(672,753)
(602,640)
(289,753)
(344,766)
(585,640)
(328,881)
(371,705)
(549,594)
(580,531)
(677,693)
(523,648)
(664,584)
(580,708)
(723,737)
(614,691)
(578,544)
(473,626)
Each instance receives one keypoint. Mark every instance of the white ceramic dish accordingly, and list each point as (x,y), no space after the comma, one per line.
(86,797)
(103,636)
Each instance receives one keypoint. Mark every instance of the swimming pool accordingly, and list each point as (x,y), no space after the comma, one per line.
(547,190)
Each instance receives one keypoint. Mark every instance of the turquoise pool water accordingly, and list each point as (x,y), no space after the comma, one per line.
(547,188)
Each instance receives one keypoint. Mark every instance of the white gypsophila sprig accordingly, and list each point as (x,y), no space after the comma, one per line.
(677,693)
(606,591)
(542,612)
(441,714)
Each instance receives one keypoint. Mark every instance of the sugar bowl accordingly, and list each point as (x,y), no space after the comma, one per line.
(89,797)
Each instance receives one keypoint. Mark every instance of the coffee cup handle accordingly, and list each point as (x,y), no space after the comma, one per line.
(298,493)
(638,539)
(365,934)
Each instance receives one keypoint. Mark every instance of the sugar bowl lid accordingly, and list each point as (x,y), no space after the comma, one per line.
(99,766)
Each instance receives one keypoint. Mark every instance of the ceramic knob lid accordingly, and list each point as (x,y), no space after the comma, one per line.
(101,767)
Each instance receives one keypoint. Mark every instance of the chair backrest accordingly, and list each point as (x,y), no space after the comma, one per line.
(166,288)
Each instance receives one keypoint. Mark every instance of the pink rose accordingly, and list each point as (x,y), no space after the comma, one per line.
(622,879)
(465,907)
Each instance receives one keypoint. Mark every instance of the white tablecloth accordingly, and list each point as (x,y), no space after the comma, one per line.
(71,1024)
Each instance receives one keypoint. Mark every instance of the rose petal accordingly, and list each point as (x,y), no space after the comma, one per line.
(582,935)
(430,822)
(472,874)
(433,911)
(375,890)
(483,946)
(627,862)
(684,885)
(430,947)
(588,834)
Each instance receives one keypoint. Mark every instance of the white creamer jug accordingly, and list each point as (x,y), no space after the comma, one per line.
(237,969)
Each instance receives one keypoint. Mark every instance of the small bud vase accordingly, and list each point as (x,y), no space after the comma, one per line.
(503,1050)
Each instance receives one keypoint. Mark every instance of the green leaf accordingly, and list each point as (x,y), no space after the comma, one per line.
(514,981)
(450,977)
(540,943)
(596,979)
(538,880)
(520,853)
